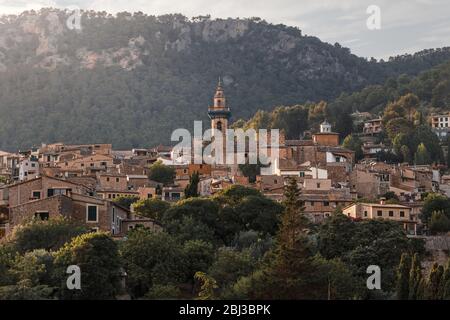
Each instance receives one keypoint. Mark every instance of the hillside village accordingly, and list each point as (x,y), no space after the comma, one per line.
(88,183)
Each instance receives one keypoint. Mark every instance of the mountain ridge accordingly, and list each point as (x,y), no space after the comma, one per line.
(131,79)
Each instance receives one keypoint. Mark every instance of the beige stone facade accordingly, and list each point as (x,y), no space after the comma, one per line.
(394,212)
(95,213)
(41,188)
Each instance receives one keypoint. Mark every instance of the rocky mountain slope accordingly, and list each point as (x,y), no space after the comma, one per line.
(131,79)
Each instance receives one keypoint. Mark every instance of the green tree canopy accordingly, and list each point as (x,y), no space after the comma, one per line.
(48,235)
(151,259)
(435,203)
(126,202)
(162,173)
(151,208)
(97,256)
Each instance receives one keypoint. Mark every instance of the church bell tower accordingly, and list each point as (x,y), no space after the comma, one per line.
(219,113)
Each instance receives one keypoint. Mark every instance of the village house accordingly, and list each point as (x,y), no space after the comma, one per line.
(414,179)
(9,165)
(326,137)
(394,212)
(48,197)
(369,182)
(97,214)
(114,194)
(89,164)
(41,188)
(111,181)
(440,125)
(219,184)
(321,199)
(139,222)
(371,149)
(373,127)
(134,166)
(268,183)
(28,168)
(136,181)
(182,172)
(290,168)
(319,155)
(204,186)
(148,192)
(172,194)
(360,117)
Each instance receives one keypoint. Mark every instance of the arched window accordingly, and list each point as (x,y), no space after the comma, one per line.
(219,125)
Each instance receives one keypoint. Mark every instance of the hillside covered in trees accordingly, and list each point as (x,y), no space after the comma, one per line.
(423,94)
(131,79)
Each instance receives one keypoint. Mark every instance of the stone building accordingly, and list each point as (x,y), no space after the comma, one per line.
(41,188)
(95,213)
(370,183)
(395,212)
(326,137)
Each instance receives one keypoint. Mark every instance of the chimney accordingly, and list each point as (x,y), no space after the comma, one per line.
(382,201)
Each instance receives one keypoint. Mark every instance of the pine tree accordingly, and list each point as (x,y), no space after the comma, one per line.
(293,221)
(415,278)
(291,267)
(191,190)
(403,277)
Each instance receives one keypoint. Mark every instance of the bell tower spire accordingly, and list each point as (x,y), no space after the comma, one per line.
(219,97)
(219,113)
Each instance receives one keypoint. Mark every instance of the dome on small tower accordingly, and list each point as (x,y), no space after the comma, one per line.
(325,127)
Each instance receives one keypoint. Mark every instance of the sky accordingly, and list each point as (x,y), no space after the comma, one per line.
(405,26)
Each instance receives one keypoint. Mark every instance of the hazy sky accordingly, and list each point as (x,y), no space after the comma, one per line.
(407,26)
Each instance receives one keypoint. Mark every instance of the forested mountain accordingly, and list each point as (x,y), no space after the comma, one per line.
(131,79)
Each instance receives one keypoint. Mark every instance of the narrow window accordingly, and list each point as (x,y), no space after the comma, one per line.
(92,213)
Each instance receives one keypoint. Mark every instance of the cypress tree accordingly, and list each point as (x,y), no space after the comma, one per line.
(448,153)
(403,272)
(434,282)
(191,190)
(415,278)
(422,157)
(421,294)
(444,291)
